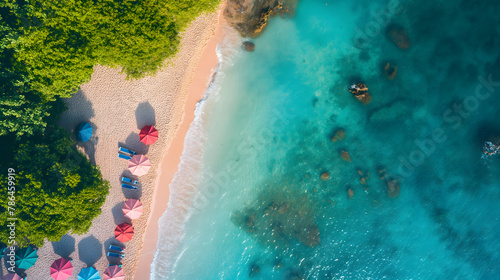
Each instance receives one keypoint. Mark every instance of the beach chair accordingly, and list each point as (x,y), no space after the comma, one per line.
(115,255)
(128,180)
(124,156)
(128,186)
(116,248)
(118,264)
(125,150)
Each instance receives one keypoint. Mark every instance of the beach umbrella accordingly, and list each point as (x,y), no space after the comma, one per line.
(114,272)
(26,258)
(139,165)
(89,273)
(2,251)
(84,131)
(61,269)
(124,232)
(12,276)
(132,208)
(148,134)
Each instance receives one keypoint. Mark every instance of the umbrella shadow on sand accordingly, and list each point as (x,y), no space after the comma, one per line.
(134,143)
(145,115)
(89,250)
(118,215)
(64,247)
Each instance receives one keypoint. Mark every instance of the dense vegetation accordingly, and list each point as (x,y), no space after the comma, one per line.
(48,48)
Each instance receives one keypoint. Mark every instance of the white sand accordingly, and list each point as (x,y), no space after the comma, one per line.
(117,109)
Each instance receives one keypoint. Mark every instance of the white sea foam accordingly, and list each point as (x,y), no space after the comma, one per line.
(186,180)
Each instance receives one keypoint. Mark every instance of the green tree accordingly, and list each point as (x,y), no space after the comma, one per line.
(57,190)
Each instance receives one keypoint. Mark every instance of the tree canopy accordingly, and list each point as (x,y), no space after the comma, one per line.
(57,190)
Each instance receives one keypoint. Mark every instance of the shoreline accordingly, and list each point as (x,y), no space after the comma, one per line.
(198,84)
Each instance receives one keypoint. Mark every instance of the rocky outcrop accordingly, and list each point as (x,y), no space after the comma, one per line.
(350,193)
(398,35)
(345,155)
(248,46)
(360,91)
(492,147)
(250,17)
(392,184)
(325,176)
(339,135)
(390,71)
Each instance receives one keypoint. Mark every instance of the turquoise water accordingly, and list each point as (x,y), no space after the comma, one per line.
(258,208)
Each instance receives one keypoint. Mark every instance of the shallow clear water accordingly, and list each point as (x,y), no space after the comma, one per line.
(260,209)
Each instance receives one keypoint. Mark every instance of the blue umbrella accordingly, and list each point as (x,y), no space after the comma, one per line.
(2,251)
(89,273)
(26,258)
(84,131)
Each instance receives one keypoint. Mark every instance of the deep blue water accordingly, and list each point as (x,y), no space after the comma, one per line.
(268,140)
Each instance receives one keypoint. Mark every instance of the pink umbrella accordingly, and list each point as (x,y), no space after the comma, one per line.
(114,272)
(12,276)
(139,165)
(61,269)
(132,208)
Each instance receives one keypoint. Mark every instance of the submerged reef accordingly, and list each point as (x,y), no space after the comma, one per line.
(279,218)
(250,17)
(398,35)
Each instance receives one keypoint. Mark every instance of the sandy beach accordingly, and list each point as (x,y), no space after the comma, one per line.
(117,108)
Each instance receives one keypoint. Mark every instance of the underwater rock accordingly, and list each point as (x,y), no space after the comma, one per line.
(248,46)
(390,71)
(360,91)
(309,235)
(345,155)
(249,221)
(283,208)
(398,35)
(492,147)
(325,176)
(339,135)
(363,178)
(393,188)
(254,270)
(350,193)
(392,184)
(250,17)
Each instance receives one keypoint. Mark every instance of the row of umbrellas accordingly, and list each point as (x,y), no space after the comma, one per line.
(61,269)
(139,164)
(148,134)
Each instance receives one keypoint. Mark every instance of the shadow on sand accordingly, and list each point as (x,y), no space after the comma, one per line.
(90,250)
(145,115)
(64,247)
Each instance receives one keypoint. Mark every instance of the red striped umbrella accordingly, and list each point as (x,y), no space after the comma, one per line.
(139,165)
(114,272)
(148,134)
(124,232)
(132,208)
(61,269)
